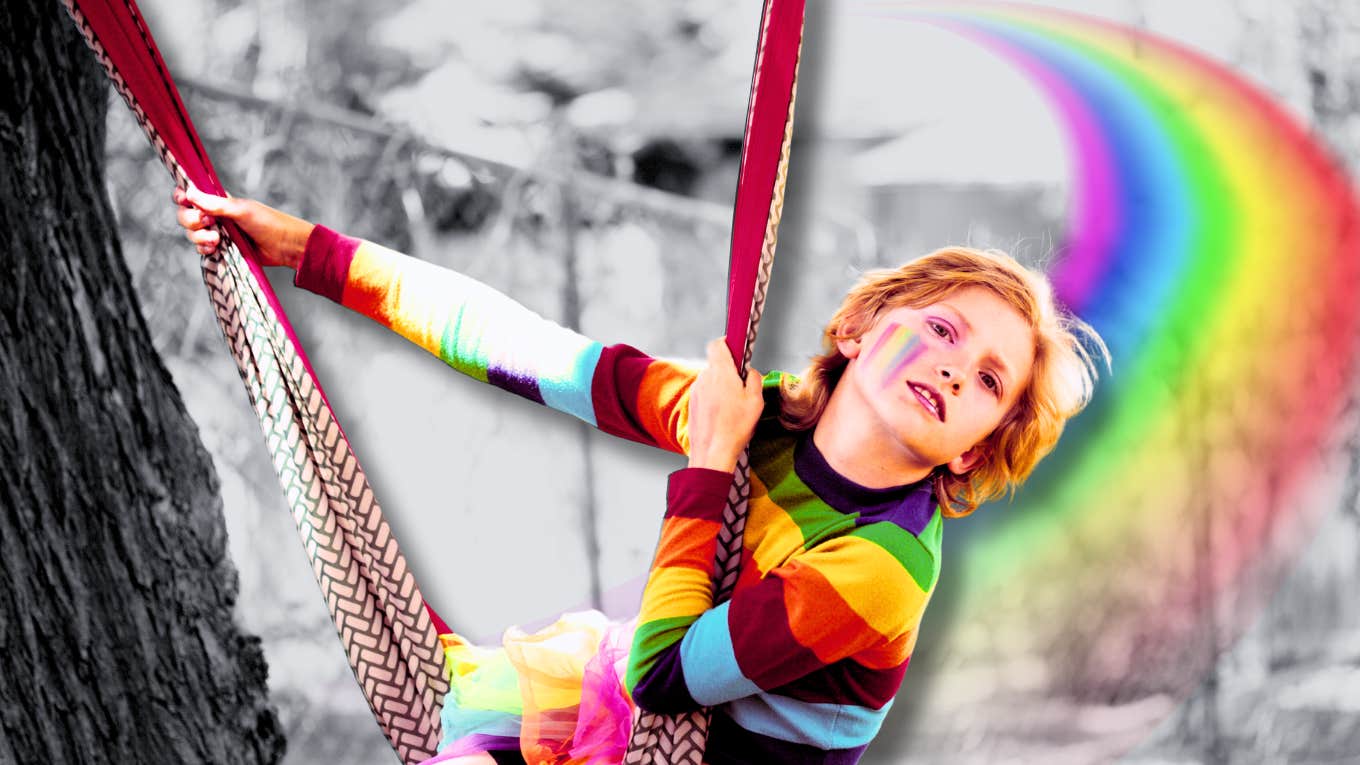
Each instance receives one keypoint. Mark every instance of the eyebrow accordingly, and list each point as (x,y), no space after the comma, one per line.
(996,361)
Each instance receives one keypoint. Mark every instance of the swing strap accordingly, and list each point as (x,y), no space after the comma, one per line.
(389,635)
(388,632)
(673,739)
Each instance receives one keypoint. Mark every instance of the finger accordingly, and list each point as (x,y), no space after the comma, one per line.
(227,207)
(192,218)
(204,236)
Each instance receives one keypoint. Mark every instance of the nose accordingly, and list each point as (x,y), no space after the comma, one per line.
(952,379)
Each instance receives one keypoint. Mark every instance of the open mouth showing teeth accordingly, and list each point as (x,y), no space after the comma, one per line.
(929,399)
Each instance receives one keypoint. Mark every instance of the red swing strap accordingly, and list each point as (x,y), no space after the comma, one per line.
(379,613)
(670,739)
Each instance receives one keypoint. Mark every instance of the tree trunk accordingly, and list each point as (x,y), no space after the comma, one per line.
(116,603)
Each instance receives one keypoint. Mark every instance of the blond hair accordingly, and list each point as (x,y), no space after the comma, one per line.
(1061,380)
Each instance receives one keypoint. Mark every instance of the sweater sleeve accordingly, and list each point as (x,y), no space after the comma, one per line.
(848,597)
(491,338)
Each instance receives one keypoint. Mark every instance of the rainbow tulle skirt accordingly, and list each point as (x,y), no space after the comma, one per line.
(557,694)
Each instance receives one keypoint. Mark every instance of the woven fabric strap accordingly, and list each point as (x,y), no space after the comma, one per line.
(681,739)
(389,636)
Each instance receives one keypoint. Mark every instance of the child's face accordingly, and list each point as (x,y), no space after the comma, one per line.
(939,379)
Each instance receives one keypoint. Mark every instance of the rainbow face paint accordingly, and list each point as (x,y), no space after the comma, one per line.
(892,352)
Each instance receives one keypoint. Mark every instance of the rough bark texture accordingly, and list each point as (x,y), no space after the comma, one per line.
(116,621)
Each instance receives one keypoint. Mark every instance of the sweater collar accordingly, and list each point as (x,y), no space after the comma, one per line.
(910,506)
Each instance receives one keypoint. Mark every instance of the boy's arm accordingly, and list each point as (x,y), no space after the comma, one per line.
(487,336)
(847,597)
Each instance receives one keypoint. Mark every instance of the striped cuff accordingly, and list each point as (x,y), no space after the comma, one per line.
(698,493)
(324,267)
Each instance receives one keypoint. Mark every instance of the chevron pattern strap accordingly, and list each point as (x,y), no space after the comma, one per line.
(379,613)
(681,739)
(668,739)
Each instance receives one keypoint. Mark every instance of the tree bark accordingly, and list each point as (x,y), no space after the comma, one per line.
(116,622)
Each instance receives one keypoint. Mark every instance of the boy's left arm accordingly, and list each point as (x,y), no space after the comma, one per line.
(844,598)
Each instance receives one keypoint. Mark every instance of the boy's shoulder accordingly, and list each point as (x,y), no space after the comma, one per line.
(915,552)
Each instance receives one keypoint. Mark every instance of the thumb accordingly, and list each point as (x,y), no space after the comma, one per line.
(225,207)
(755,381)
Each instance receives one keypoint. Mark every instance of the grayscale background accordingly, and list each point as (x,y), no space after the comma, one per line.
(581,156)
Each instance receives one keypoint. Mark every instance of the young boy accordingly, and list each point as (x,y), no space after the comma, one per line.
(941,385)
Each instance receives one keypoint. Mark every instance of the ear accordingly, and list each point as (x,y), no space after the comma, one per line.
(967,461)
(849,348)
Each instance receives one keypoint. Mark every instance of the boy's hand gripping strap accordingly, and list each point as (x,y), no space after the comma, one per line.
(388,635)
(662,739)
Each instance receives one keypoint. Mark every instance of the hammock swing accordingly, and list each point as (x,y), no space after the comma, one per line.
(389,633)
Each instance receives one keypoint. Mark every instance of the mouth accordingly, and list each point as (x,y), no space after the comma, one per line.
(929,398)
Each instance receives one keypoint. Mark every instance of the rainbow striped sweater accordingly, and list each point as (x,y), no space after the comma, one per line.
(804,660)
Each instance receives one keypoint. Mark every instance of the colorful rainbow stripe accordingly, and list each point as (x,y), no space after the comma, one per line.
(896,348)
(1214,245)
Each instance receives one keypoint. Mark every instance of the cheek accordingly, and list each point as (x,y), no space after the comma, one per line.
(990,411)
(891,352)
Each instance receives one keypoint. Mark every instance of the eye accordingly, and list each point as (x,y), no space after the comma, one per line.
(991,382)
(939,329)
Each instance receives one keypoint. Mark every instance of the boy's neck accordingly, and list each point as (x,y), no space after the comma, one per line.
(859,449)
